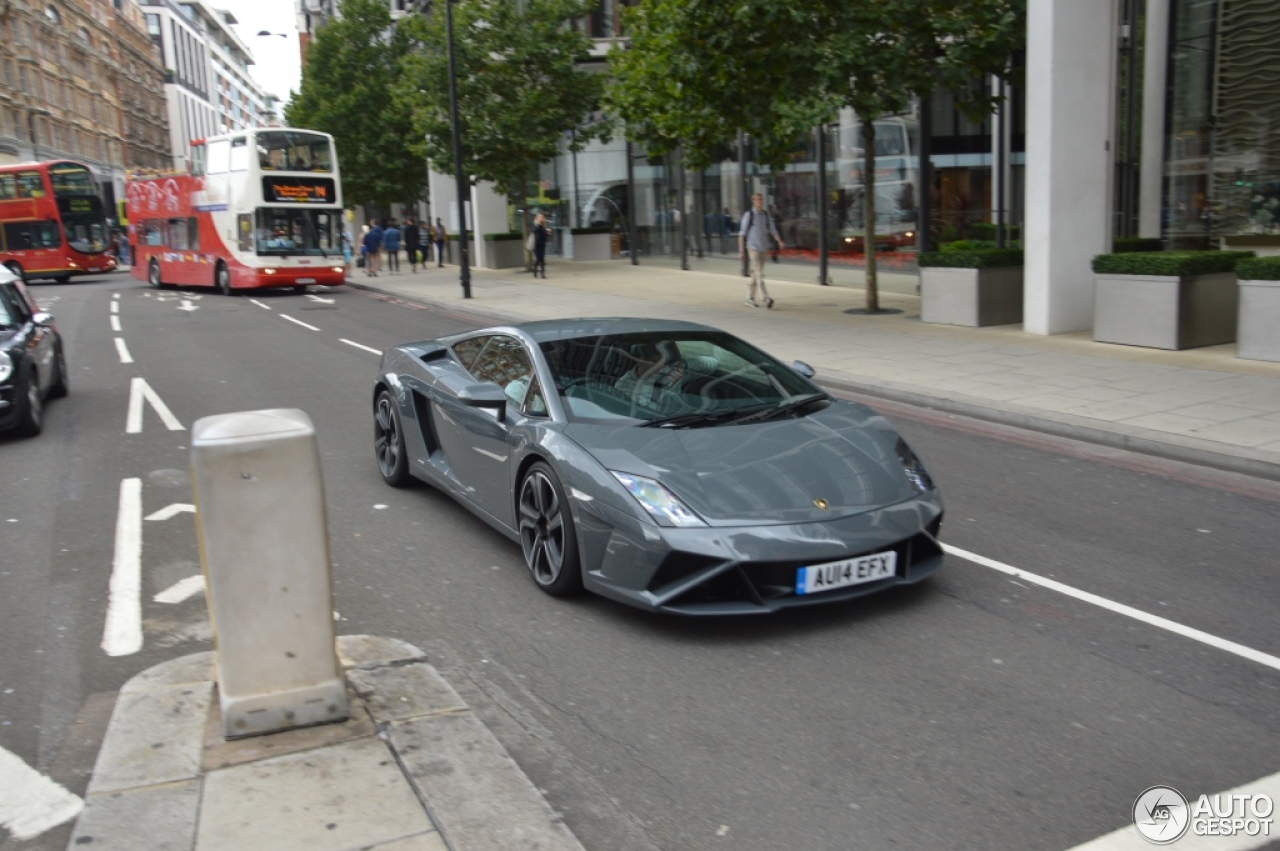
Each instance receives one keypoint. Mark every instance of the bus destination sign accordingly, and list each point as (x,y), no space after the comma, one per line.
(87,204)
(298,190)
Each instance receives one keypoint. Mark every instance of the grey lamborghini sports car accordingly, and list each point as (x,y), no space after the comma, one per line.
(664,464)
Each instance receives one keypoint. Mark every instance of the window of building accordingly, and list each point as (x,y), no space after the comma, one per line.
(52,15)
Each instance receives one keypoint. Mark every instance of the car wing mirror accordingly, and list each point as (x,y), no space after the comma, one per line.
(42,319)
(803,368)
(485,395)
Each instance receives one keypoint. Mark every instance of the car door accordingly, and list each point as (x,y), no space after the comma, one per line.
(478,443)
(39,343)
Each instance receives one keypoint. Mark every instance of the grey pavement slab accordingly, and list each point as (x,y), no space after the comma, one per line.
(154,737)
(110,819)
(404,692)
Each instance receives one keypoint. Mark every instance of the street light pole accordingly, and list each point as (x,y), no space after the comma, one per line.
(458,172)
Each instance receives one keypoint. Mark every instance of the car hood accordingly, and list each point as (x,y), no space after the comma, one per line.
(764,472)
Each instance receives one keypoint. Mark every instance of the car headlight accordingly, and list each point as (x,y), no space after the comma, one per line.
(661,503)
(913,467)
(6,366)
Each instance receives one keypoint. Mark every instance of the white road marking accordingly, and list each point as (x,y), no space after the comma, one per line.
(299,322)
(115,322)
(1127,838)
(122,634)
(1121,609)
(122,350)
(184,589)
(321,300)
(115,307)
(139,391)
(171,511)
(359,346)
(187,306)
(260,304)
(31,803)
(117,295)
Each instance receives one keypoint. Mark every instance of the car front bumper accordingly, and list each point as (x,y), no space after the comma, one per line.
(749,570)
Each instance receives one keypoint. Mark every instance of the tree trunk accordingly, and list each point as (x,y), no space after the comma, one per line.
(869,212)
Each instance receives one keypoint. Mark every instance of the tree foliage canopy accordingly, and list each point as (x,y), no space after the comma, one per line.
(519,90)
(347,91)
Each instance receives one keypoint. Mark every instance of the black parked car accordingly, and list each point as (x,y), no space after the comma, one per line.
(33,366)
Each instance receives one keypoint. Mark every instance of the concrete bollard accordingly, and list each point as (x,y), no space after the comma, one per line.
(264,549)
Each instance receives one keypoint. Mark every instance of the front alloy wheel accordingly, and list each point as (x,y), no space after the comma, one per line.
(31,419)
(388,442)
(547,534)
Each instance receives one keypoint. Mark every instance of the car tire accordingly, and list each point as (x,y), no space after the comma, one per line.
(16,269)
(388,442)
(61,384)
(222,279)
(31,413)
(153,276)
(548,537)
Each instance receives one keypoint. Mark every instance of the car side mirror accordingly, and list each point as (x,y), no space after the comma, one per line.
(803,368)
(43,319)
(487,394)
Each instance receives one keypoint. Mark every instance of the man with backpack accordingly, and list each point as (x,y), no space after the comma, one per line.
(757,227)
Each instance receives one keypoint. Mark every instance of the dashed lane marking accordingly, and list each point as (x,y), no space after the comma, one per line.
(123,351)
(260,304)
(1121,609)
(122,633)
(115,307)
(298,322)
(360,346)
(115,323)
(31,803)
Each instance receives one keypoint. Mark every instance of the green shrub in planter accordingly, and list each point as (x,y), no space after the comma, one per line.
(989,258)
(1177,263)
(1259,269)
(1130,244)
(596,229)
(500,237)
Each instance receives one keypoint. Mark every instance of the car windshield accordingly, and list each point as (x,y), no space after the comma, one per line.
(696,377)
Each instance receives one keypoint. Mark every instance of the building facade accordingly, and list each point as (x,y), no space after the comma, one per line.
(206,71)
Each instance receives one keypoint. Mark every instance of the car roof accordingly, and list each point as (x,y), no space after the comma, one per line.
(564,329)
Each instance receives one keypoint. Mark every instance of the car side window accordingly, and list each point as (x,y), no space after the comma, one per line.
(467,350)
(505,362)
(535,404)
(13,307)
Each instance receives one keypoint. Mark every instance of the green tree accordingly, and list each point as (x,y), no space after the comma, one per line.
(347,91)
(519,89)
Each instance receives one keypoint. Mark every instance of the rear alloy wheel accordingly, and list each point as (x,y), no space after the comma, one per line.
(388,442)
(222,277)
(61,386)
(31,418)
(547,533)
(153,276)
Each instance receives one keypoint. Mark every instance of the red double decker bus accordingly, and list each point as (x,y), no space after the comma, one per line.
(52,223)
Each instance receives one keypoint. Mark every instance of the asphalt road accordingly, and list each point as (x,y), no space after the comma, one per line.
(975,711)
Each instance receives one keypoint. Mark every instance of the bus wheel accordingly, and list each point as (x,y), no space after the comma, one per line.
(222,277)
(13,267)
(61,279)
(300,289)
(153,276)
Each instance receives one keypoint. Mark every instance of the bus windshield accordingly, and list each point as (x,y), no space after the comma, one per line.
(86,234)
(71,180)
(280,150)
(283,232)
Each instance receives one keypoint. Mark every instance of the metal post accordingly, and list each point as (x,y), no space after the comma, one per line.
(822,205)
(573,151)
(264,548)
(998,170)
(924,175)
(459,174)
(684,218)
(746,201)
(631,205)
(1129,227)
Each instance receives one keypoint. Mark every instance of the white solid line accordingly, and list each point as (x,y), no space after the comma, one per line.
(31,803)
(299,322)
(260,304)
(122,350)
(1128,839)
(359,346)
(115,307)
(171,511)
(140,391)
(115,322)
(122,634)
(1120,608)
(183,589)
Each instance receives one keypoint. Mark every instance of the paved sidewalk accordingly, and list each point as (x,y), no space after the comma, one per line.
(413,769)
(1200,405)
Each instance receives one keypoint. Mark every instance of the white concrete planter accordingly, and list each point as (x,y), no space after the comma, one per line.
(503,253)
(973,297)
(1165,311)
(588,246)
(1259,328)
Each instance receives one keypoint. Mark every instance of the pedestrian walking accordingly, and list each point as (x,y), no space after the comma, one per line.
(540,233)
(372,247)
(391,244)
(442,240)
(346,249)
(426,238)
(753,238)
(411,243)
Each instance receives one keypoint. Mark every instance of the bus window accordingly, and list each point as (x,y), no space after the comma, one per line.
(153,232)
(178,234)
(286,232)
(19,236)
(294,151)
(244,225)
(239,154)
(30,184)
(197,160)
(71,180)
(219,157)
(8,186)
(87,237)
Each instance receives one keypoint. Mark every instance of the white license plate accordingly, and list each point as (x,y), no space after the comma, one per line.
(93,268)
(842,574)
(305,281)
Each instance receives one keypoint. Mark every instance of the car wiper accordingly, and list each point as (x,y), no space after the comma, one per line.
(784,408)
(704,418)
